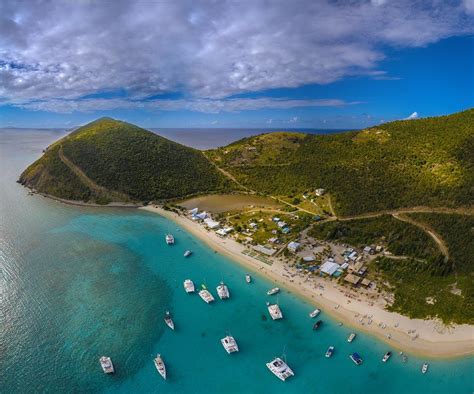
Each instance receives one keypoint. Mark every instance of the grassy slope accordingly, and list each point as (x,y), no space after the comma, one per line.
(127,159)
(398,164)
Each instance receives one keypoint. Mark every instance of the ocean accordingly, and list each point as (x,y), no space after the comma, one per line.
(78,283)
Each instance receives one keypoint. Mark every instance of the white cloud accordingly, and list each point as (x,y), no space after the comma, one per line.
(63,50)
(414,115)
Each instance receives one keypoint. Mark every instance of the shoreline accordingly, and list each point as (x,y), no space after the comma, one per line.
(431,338)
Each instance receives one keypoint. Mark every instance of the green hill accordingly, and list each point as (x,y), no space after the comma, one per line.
(408,163)
(109,160)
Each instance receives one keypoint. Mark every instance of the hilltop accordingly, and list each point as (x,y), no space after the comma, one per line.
(109,160)
(425,162)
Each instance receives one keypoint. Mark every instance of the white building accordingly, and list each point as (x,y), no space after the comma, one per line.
(320,192)
(293,246)
(329,267)
(212,224)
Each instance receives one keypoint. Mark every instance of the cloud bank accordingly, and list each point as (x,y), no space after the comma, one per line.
(55,55)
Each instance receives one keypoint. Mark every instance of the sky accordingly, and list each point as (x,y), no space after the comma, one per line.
(240,64)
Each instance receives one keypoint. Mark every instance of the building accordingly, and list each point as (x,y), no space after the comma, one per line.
(194,211)
(281,224)
(308,259)
(293,246)
(369,250)
(353,279)
(320,192)
(262,249)
(329,267)
(212,224)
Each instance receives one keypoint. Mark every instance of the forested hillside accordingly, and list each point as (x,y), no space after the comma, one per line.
(399,164)
(127,161)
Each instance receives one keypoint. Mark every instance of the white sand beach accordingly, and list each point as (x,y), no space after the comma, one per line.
(428,338)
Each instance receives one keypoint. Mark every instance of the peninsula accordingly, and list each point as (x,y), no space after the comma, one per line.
(374,225)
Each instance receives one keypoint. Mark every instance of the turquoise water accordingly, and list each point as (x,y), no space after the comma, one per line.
(78,283)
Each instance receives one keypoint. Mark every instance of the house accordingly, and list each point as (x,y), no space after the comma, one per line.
(276,219)
(369,250)
(293,246)
(253,225)
(273,240)
(224,231)
(353,256)
(308,258)
(212,224)
(201,216)
(366,282)
(378,248)
(281,224)
(320,192)
(194,211)
(353,279)
(285,230)
(329,267)
(344,266)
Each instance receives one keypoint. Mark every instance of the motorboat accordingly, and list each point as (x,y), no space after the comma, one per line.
(424,368)
(280,369)
(317,324)
(273,291)
(248,278)
(187,253)
(168,320)
(386,356)
(230,344)
(314,313)
(106,364)
(160,366)
(188,286)
(356,358)
(223,291)
(351,337)
(330,351)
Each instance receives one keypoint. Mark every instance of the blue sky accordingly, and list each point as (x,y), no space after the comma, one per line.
(266,65)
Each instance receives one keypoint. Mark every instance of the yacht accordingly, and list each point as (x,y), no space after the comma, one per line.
(386,356)
(206,295)
(280,369)
(189,286)
(248,278)
(160,365)
(169,239)
(273,291)
(168,320)
(275,311)
(230,344)
(424,368)
(315,313)
(356,358)
(187,253)
(330,351)
(223,291)
(351,337)
(106,364)
(317,324)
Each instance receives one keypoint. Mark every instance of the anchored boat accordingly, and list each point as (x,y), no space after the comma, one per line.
(169,239)
(223,291)
(160,366)
(106,364)
(275,311)
(273,291)
(230,344)
(356,358)
(168,320)
(280,369)
(188,286)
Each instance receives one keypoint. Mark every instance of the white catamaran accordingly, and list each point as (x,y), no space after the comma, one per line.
(223,291)
(280,369)
(206,295)
(169,239)
(106,364)
(230,344)
(275,311)
(160,365)
(188,286)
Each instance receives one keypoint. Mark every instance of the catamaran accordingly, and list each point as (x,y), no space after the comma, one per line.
(330,351)
(223,291)
(160,365)
(230,344)
(280,369)
(273,291)
(356,358)
(275,311)
(169,239)
(168,320)
(188,286)
(187,253)
(386,356)
(424,368)
(248,278)
(315,313)
(206,295)
(106,364)
(351,337)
